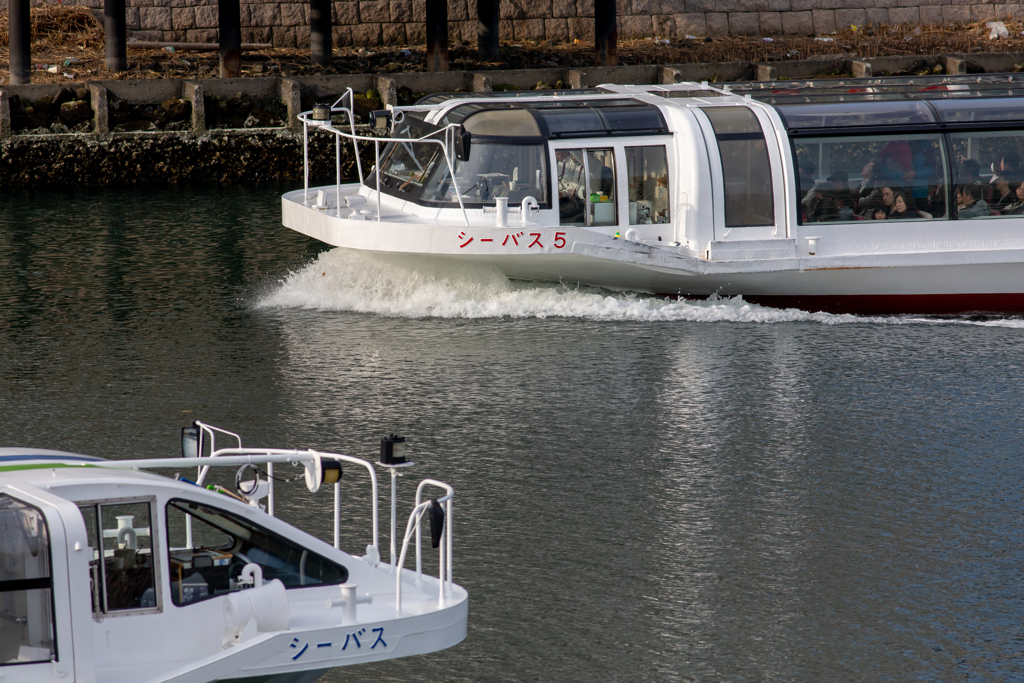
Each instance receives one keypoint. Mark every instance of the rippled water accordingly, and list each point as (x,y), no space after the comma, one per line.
(646,490)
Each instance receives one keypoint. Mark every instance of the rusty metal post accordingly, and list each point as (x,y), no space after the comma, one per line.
(320,31)
(488,12)
(230,29)
(19,32)
(437,35)
(606,35)
(115,35)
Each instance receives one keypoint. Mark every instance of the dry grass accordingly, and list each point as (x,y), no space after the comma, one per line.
(63,34)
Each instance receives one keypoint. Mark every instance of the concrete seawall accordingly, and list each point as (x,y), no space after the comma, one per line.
(246,130)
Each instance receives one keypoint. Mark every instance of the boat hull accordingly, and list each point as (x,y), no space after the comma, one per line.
(926,281)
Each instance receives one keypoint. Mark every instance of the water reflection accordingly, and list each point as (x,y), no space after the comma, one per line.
(646,490)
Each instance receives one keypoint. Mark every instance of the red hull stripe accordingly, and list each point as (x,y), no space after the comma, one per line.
(875,304)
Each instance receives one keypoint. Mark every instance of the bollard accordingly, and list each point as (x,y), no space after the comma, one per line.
(230,29)
(20,42)
(320,31)
(437,35)
(606,36)
(488,13)
(115,35)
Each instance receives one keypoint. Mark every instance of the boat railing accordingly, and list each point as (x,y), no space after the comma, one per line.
(447,143)
(414,525)
(237,457)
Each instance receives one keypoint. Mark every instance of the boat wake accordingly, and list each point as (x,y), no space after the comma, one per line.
(414,287)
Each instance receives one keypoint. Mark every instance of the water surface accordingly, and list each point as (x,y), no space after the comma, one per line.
(646,490)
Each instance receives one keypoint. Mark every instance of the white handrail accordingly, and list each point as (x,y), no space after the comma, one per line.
(448,533)
(415,519)
(355,137)
(233,457)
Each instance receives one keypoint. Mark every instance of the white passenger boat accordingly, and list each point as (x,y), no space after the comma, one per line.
(882,195)
(112,574)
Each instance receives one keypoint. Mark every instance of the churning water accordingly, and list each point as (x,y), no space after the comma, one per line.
(647,490)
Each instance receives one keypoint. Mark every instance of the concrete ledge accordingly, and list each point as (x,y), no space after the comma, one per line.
(199,154)
(5,115)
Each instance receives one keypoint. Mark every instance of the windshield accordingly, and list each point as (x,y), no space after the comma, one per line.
(493,170)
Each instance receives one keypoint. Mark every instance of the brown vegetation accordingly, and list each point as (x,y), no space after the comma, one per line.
(71,39)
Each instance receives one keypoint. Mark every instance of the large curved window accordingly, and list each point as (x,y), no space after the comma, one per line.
(877,177)
(26,602)
(746,170)
(493,170)
(210,547)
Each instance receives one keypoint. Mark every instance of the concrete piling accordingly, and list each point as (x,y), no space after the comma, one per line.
(19,36)
(115,35)
(230,28)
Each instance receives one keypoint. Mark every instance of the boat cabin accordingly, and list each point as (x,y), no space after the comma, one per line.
(695,165)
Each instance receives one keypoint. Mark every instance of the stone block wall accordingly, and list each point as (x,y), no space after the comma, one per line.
(400,22)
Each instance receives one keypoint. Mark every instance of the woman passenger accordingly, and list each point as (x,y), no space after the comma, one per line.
(900,208)
(1004,194)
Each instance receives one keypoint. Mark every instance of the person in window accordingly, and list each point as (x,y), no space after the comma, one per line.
(1004,194)
(922,170)
(869,179)
(834,201)
(1007,165)
(880,214)
(881,197)
(571,187)
(901,208)
(970,171)
(1017,208)
(895,160)
(806,170)
(972,203)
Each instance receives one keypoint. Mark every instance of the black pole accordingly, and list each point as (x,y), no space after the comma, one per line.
(487,13)
(230,20)
(115,35)
(320,31)
(437,35)
(606,36)
(19,37)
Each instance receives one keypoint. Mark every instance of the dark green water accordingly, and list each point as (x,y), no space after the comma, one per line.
(646,491)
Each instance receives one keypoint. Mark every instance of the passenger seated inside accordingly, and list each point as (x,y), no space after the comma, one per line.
(831,201)
(572,206)
(1004,194)
(882,198)
(1007,165)
(1017,208)
(901,208)
(880,214)
(971,202)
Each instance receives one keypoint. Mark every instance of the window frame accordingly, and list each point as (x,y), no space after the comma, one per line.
(155,550)
(717,174)
(237,519)
(54,627)
(946,169)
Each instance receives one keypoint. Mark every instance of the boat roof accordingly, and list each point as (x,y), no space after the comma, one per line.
(20,456)
(805,107)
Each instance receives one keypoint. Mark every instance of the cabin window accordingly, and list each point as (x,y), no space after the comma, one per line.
(884,177)
(26,585)
(123,571)
(647,175)
(493,170)
(746,171)
(988,173)
(586,187)
(407,165)
(208,548)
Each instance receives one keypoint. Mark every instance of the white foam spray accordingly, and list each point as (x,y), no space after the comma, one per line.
(417,287)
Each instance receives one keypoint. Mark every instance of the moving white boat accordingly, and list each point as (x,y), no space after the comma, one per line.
(112,574)
(880,195)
